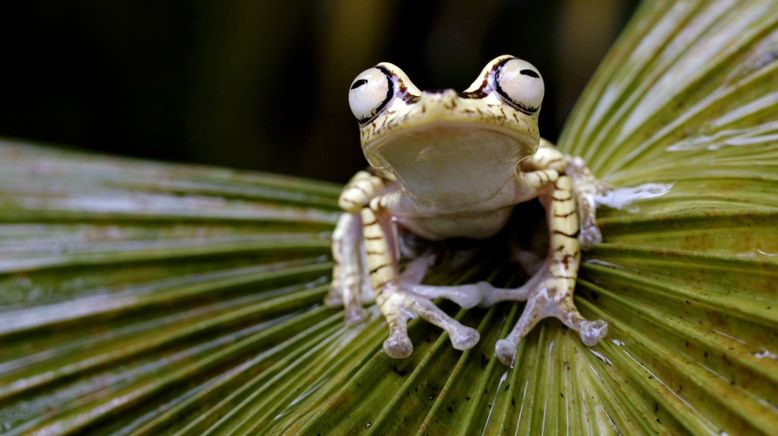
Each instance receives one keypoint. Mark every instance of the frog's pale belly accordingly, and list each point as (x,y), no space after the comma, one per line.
(477,225)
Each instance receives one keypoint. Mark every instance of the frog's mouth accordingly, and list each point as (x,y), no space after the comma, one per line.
(453,165)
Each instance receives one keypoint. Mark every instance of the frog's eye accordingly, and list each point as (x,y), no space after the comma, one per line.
(520,85)
(370,92)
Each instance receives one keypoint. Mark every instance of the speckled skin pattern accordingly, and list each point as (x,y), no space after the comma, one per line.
(447,164)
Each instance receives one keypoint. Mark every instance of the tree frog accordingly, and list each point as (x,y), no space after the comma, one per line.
(447,164)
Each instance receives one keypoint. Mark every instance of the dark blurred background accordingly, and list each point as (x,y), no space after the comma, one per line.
(263,84)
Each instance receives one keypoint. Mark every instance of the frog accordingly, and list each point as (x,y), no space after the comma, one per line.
(446,164)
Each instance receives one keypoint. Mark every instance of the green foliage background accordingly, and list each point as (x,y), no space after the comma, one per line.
(138,297)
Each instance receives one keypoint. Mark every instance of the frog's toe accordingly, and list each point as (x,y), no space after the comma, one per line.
(592,332)
(464,338)
(590,236)
(505,350)
(398,345)
(398,304)
(350,299)
(355,315)
(350,293)
(333,298)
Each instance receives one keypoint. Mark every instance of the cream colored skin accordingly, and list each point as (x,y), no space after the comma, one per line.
(447,164)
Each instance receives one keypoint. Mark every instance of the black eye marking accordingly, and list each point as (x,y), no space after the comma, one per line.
(389,94)
(358,83)
(527,110)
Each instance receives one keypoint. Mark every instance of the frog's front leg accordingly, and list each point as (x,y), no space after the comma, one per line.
(587,190)
(586,187)
(400,300)
(350,285)
(549,293)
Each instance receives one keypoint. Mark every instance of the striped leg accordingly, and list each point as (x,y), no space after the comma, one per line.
(350,282)
(550,291)
(394,294)
(586,187)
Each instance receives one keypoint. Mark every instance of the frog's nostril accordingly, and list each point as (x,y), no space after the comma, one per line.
(438,91)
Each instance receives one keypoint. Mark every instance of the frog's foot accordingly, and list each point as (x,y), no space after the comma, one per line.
(546,296)
(587,190)
(401,301)
(536,309)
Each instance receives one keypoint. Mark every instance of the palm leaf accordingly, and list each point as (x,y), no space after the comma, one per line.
(141,297)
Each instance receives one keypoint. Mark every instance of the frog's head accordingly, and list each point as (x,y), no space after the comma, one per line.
(418,135)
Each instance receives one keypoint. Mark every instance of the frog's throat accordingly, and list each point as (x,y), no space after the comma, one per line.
(453,166)
(444,135)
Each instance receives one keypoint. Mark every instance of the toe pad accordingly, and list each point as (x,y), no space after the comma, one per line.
(398,346)
(505,350)
(592,332)
(465,338)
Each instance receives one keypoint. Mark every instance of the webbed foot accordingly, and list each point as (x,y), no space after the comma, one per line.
(550,297)
(399,304)
(549,293)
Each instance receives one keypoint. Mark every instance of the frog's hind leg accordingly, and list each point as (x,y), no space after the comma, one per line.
(394,292)
(549,293)
(350,284)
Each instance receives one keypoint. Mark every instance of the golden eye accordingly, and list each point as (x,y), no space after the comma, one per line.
(370,92)
(520,85)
